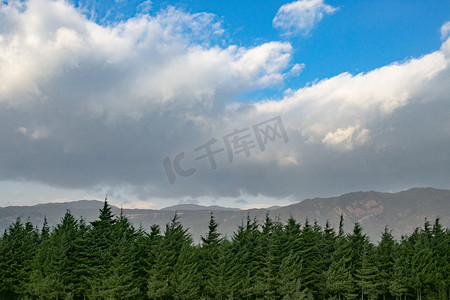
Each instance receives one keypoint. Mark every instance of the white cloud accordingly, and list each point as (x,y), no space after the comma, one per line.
(346,137)
(137,63)
(145,6)
(256,206)
(337,111)
(296,69)
(301,16)
(133,91)
(387,128)
(137,205)
(85,106)
(445,30)
(34,134)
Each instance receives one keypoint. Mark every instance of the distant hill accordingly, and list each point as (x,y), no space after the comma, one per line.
(88,209)
(198,207)
(402,212)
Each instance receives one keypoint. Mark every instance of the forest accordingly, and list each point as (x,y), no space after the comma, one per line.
(110,259)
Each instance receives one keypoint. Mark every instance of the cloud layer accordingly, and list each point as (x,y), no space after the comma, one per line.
(301,16)
(84,105)
(83,101)
(445,30)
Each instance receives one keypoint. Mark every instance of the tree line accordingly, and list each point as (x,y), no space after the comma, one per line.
(110,259)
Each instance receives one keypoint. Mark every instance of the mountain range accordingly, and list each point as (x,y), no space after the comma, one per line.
(402,212)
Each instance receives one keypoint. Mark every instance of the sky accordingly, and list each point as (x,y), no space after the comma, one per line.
(233,103)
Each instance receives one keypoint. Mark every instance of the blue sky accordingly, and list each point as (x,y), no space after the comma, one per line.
(358,37)
(96,95)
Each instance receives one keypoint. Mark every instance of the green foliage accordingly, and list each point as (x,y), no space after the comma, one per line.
(213,236)
(338,278)
(163,277)
(53,273)
(385,256)
(116,279)
(367,277)
(17,249)
(109,259)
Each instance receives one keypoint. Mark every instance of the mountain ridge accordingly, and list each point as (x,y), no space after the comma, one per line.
(197,207)
(402,212)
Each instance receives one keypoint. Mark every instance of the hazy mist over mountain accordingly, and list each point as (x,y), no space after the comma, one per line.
(402,212)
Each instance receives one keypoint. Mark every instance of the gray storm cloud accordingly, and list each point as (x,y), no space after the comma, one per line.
(84,105)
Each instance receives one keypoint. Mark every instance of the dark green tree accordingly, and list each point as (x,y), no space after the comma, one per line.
(118,279)
(161,284)
(222,276)
(310,257)
(53,273)
(397,285)
(338,278)
(45,231)
(245,241)
(17,249)
(386,253)
(213,235)
(367,277)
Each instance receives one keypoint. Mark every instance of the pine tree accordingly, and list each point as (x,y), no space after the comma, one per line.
(423,266)
(160,277)
(117,281)
(245,241)
(367,277)
(45,231)
(310,256)
(53,273)
(269,259)
(441,256)
(186,277)
(386,253)
(106,215)
(341,226)
(213,236)
(292,234)
(209,254)
(397,285)
(99,239)
(82,257)
(17,249)
(222,275)
(147,247)
(288,283)
(327,246)
(446,258)
(338,278)
(109,259)
(358,242)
